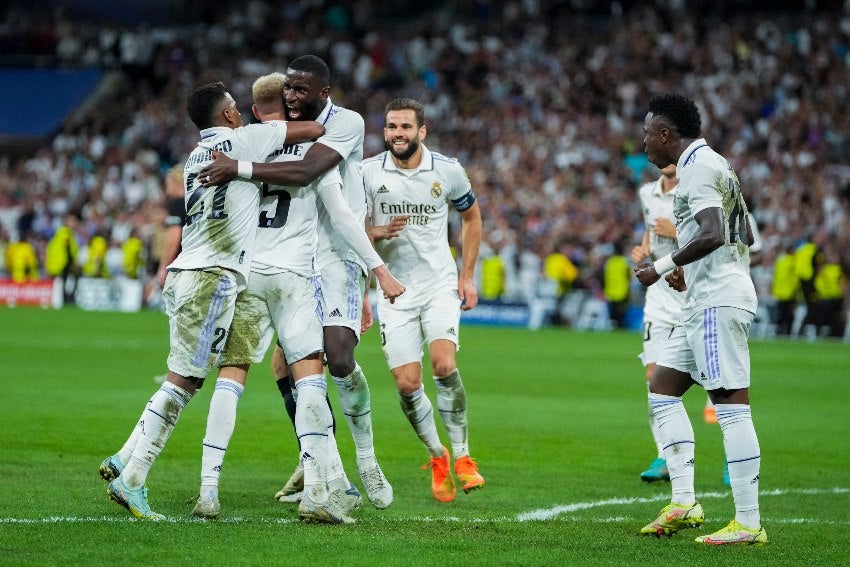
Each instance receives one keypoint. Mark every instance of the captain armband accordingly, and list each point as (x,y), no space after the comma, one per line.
(464,202)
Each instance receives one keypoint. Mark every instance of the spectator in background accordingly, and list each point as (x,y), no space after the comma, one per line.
(830,290)
(560,269)
(133,256)
(784,289)
(616,280)
(21,261)
(61,256)
(492,277)
(62,249)
(807,260)
(95,258)
(543,142)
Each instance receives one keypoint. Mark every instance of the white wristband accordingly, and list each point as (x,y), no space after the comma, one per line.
(245,169)
(664,265)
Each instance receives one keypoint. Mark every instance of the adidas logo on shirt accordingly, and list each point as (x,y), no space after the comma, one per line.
(383,189)
(335,313)
(452,331)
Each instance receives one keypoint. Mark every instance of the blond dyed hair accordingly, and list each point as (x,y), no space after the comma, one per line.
(268,89)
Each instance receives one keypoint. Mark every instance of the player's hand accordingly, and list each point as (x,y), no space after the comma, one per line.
(220,171)
(366,319)
(646,273)
(676,279)
(664,227)
(467,293)
(639,254)
(391,230)
(391,287)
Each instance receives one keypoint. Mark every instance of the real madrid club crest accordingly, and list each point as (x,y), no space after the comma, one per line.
(436,190)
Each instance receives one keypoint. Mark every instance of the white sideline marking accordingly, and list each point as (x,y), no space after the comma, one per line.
(549,513)
(539,514)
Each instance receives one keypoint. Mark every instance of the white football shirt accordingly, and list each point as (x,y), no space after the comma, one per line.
(221,222)
(721,279)
(663,303)
(420,256)
(287,230)
(344,133)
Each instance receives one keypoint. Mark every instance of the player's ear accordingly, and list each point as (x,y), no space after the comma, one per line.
(255,112)
(422,132)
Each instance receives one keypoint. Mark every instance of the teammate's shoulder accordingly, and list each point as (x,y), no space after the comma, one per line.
(647,188)
(341,114)
(374,162)
(258,126)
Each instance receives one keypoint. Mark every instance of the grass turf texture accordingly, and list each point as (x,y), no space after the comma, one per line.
(558,426)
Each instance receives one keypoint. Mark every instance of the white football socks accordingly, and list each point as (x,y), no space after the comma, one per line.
(221,420)
(312,417)
(678,436)
(417,407)
(335,474)
(451,401)
(126,451)
(744,458)
(356,406)
(156,425)
(656,435)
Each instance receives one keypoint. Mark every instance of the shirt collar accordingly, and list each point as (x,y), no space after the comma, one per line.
(328,111)
(658,189)
(687,156)
(426,164)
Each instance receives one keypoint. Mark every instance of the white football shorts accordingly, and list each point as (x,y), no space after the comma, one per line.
(405,331)
(655,334)
(200,306)
(712,347)
(288,304)
(343,284)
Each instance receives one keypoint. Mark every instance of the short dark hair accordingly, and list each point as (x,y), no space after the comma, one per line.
(313,65)
(407,104)
(203,102)
(680,111)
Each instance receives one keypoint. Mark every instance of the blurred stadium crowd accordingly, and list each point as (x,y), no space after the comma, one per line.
(542,101)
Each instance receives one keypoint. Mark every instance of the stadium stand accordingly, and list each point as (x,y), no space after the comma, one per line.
(543,102)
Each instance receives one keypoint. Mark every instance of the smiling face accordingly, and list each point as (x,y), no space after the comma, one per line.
(402,134)
(305,95)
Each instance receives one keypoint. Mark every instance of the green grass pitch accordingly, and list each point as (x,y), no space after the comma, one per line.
(557,423)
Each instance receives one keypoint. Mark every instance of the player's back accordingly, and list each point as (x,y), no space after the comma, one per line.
(221,221)
(287,232)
